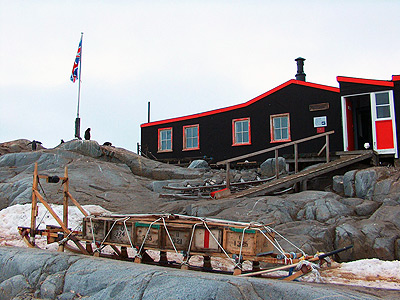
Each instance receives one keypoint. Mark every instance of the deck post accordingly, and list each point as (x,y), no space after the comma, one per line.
(276,164)
(228,170)
(296,158)
(34,211)
(327,148)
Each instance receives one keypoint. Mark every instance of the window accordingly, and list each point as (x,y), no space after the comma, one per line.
(241,132)
(165,139)
(280,128)
(382,105)
(191,137)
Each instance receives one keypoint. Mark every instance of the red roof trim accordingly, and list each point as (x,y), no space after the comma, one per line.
(229,108)
(365,81)
(395,77)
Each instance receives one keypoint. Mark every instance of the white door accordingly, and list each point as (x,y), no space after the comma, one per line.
(383,123)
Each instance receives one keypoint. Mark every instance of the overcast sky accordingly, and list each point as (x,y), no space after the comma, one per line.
(184,57)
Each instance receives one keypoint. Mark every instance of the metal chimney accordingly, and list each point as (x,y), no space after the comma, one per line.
(300,72)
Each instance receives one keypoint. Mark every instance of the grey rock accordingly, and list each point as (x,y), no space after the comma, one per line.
(397,249)
(323,210)
(267,168)
(348,234)
(366,208)
(13,286)
(92,278)
(199,164)
(337,184)
(52,285)
(348,183)
(365,183)
(89,148)
(382,189)
(384,247)
(387,213)
(351,201)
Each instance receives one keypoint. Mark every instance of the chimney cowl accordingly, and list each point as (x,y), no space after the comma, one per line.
(300,69)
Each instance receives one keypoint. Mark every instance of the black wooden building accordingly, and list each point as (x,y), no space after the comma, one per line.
(293,110)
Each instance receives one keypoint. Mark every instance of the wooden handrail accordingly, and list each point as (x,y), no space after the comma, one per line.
(275,148)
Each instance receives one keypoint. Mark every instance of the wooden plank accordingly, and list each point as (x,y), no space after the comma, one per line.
(77,204)
(292,179)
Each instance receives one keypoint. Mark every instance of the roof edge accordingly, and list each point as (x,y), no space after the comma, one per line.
(365,81)
(237,106)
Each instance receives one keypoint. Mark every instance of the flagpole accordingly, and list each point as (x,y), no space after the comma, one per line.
(78,120)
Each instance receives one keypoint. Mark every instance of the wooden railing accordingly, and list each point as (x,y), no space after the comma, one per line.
(276,148)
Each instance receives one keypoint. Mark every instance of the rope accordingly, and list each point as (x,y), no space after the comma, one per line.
(219,245)
(67,237)
(190,242)
(172,242)
(241,246)
(127,233)
(281,236)
(277,247)
(145,237)
(108,233)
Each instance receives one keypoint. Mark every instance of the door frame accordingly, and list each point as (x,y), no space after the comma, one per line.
(373,119)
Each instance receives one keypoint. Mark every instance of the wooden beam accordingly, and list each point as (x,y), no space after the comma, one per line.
(65,205)
(34,210)
(66,230)
(322,149)
(276,147)
(276,164)
(327,148)
(77,204)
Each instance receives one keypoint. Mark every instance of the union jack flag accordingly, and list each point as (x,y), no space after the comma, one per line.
(75,68)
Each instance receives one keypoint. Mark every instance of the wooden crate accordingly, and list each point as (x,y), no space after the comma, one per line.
(253,242)
(179,236)
(204,242)
(153,237)
(119,234)
(98,227)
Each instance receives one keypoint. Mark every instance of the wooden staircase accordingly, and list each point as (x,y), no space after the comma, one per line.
(284,182)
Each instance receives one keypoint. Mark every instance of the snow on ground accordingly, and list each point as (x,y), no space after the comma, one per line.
(20,215)
(367,272)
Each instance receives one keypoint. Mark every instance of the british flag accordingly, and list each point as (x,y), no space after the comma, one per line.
(75,68)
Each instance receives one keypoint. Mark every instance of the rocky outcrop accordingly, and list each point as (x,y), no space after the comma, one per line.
(37,274)
(318,221)
(366,214)
(95,177)
(21,145)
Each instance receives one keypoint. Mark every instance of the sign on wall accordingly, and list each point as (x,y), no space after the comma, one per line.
(320,121)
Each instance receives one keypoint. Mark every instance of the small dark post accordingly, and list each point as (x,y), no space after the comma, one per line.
(148,112)
(276,164)
(228,170)
(300,71)
(327,148)
(78,128)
